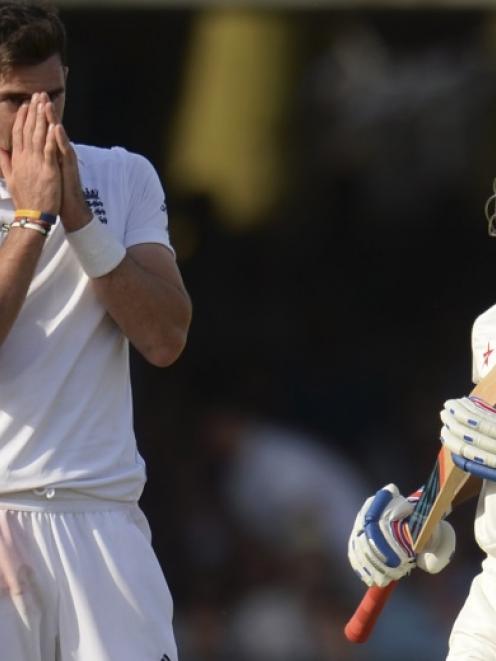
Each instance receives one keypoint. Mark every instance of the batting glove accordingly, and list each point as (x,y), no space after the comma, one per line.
(379,547)
(469,432)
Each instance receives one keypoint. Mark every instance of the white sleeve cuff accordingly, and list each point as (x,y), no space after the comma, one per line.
(98,251)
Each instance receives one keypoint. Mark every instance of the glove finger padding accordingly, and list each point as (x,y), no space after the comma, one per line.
(468,435)
(473,414)
(465,449)
(375,554)
(369,566)
(379,550)
(362,557)
(366,565)
(470,430)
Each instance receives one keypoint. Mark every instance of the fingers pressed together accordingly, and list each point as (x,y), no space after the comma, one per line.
(38,128)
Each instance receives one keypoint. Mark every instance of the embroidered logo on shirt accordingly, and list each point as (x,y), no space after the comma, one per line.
(165,658)
(92,197)
(163,208)
(487,353)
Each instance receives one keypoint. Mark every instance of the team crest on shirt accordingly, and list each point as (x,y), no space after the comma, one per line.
(92,197)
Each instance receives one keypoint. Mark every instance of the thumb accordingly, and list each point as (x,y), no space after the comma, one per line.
(63,142)
(5,163)
(67,156)
(439,550)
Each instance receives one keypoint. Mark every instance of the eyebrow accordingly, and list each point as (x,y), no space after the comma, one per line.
(23,96)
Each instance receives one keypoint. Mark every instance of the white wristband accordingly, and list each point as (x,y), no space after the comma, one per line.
(98,251)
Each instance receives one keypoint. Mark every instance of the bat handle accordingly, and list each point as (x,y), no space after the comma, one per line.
(363,619)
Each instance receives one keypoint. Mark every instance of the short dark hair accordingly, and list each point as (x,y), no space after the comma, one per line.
(30,33)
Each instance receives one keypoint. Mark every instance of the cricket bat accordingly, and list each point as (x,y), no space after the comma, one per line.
(444,484)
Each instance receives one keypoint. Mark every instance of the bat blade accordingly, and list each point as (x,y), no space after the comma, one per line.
(444,483)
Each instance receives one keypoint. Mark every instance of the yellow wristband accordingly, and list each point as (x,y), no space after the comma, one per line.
(34,214)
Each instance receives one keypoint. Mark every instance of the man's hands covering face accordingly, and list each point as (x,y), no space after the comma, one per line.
(32,169)
(42,170)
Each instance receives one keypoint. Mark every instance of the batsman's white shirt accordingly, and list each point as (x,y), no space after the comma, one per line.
(474,632)
(483,360)
(65,394)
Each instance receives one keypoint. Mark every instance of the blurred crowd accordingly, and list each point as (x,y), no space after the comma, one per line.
(326,177)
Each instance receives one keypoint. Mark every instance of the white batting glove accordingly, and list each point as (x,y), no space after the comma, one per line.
(469,431)
(379,547)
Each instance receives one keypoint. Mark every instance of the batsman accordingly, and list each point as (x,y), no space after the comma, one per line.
(380,546)
(86,266)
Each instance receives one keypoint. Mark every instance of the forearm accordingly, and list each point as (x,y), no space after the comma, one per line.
(19,255)
(153,312)
(141,287)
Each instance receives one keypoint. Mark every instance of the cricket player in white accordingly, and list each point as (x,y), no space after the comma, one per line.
(381,553)
(85,267)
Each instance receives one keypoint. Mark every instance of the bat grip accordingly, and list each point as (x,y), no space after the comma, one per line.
(363,620)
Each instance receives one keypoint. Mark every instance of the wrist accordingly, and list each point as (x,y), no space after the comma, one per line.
(77,220)
(49,207)
(36,216)
(98,251)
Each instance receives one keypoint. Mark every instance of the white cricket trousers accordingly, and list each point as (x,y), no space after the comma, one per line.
(473,637)
(79,581)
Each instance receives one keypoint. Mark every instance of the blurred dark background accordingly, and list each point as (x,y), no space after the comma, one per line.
(326,174)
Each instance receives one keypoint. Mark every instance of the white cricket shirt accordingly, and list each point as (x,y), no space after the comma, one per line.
(483,360)
(65,393)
